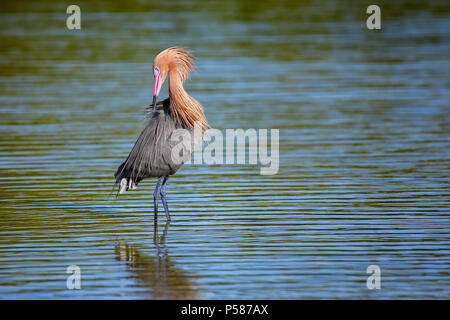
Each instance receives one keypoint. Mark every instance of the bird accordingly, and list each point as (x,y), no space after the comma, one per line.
(152,154)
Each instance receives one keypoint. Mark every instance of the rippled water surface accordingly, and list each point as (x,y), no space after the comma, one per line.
(364,152)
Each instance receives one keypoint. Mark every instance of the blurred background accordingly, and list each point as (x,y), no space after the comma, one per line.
(364,151)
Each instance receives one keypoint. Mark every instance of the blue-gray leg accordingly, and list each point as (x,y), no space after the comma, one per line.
(155,201)
(163,197)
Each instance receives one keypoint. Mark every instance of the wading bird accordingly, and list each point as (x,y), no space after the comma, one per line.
(152,154)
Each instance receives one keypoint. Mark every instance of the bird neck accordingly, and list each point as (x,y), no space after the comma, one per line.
(185,109)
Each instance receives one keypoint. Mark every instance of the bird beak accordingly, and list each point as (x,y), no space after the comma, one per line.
(157,88)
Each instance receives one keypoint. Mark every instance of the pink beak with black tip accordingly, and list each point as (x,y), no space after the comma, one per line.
(157,88)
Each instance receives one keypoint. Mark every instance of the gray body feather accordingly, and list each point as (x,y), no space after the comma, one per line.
(151,155)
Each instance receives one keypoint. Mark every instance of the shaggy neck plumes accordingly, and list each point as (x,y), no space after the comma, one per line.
(185,109)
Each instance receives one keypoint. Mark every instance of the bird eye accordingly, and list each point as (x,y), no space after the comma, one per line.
(157,69)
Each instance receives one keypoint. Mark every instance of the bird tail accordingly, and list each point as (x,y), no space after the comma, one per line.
(126,181)
(127,184)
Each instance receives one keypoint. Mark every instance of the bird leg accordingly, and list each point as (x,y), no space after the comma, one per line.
(155,201)
(163,197)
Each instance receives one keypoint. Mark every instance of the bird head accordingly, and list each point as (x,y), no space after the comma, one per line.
(172,60)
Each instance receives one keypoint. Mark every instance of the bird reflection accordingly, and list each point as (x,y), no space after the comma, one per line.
(159,275)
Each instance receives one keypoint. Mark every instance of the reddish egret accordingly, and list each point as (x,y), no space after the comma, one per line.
(151,155)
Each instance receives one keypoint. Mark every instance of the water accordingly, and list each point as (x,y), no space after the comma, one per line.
(364,152)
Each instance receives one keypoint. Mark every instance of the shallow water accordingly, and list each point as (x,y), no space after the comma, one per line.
(364,152)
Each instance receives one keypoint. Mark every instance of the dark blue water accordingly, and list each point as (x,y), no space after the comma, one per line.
(364,152)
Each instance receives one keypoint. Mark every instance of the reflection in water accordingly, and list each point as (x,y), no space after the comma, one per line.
(159,275)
